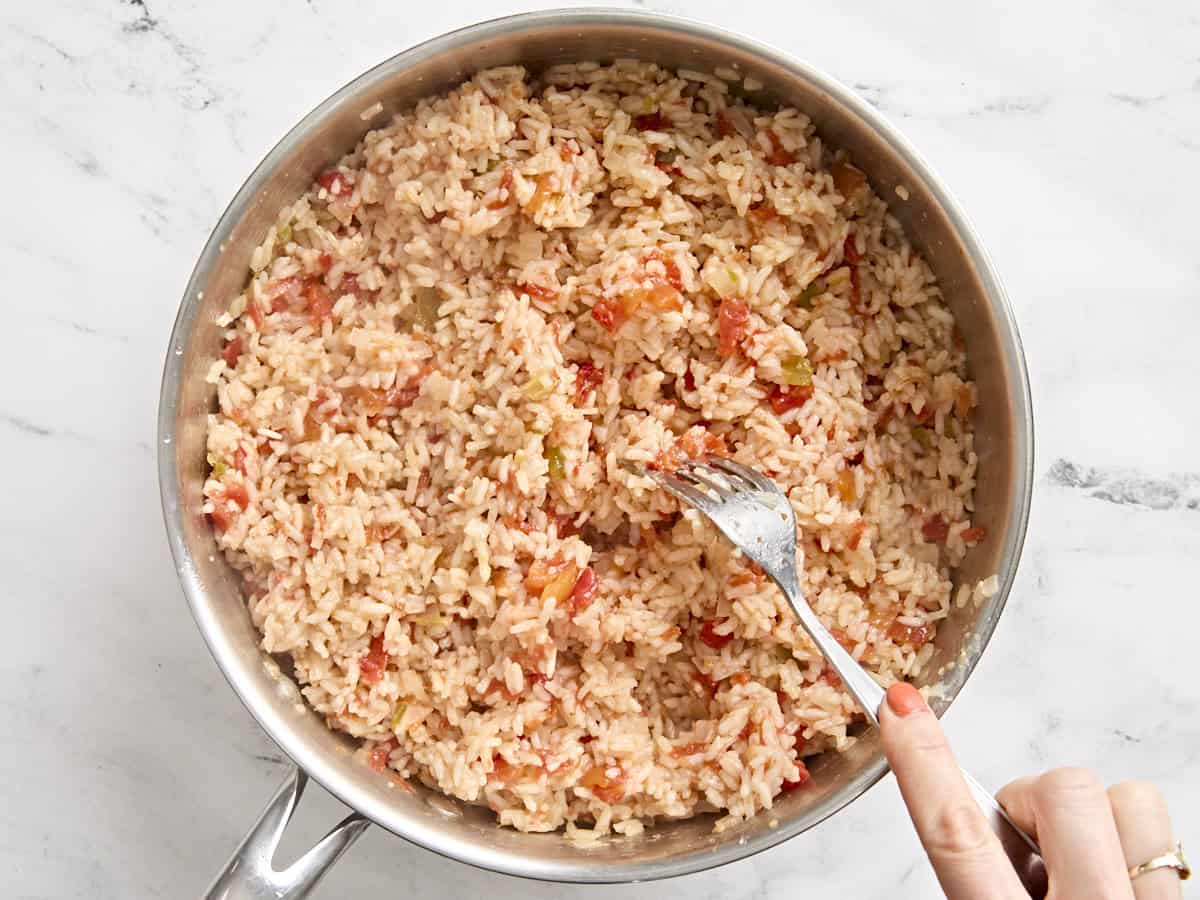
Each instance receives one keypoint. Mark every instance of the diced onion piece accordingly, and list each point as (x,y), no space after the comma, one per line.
(428,307)
(847,486)
(561,585)
(847,179)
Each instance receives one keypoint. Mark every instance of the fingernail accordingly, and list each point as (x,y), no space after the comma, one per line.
(905,699)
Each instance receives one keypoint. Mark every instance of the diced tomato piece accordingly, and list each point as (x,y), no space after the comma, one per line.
(698,441)
(705,682)
(763,214)
(654,121)
(285,293)
(842,638)
(537,291)
(374,401)
(917,635)
(732,323)
(377,759)
(974,535)
(324,261)
(350,285)
(507,773)
(239,459)
(563,521)
(925,416)
(609,314)
(223,515)
(255,313)
(935,529)
(584,592)
(233,500)
(320,302)
(801,779)
(830,677)
(856,290)
(850,250)
(787,398)
(236,492)
(232,352)
(604,785)
(375,662)
(779,155)
(674,276)
(504,190)
(689,380)
(405,396)
(502,769)
(710,637)
(856,534)
(336,183)
(587,379)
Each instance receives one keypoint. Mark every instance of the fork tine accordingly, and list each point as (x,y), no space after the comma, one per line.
(759,481)
(736,479)
(682,490)
(703,475)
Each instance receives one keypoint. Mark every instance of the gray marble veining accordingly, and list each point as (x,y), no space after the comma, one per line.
(1070,132)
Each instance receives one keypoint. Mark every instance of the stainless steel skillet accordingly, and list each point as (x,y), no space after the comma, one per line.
(933,221)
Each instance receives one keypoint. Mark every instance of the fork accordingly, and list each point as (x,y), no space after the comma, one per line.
(757,517)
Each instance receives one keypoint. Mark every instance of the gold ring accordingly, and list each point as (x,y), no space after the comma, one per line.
(1171,860)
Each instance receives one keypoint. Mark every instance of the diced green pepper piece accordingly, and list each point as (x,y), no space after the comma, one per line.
(539,387)
(556,462)
(219,467)
(805,298)
(398,715)
(797,371)
(923,436)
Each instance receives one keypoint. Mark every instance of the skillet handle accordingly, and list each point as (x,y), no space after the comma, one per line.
(249,875)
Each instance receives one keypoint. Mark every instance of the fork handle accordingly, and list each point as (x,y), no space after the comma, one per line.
(862,686)
(1020,848)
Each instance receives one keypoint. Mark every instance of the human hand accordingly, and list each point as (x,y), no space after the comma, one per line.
(1089,837)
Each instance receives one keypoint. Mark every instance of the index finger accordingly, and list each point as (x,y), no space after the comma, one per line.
(965,853)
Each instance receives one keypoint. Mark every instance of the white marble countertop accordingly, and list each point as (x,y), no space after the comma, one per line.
(1071,134)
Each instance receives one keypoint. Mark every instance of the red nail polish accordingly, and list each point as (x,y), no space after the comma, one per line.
(904,699)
